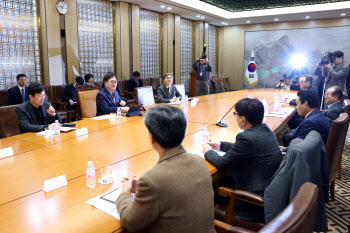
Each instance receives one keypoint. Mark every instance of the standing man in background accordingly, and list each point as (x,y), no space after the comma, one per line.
(202,68)
(19,93)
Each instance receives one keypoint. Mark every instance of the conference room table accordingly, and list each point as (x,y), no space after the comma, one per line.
(123,145)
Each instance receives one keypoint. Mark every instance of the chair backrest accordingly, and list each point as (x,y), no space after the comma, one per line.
(3,98)
(155,83)
(146,82)
(299,215)
(87,106)
(144,95)
(57,93)
(48,94)
(99,84)
(225,82)
(220,84)
(8,121)
(121,87)
(84,89)
(181,89)
(335,142)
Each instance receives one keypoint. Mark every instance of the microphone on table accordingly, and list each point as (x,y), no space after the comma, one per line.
(221,124)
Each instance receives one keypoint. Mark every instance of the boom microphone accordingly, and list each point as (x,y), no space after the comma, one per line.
(221,124)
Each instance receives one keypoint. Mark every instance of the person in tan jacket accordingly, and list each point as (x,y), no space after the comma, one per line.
(176,195)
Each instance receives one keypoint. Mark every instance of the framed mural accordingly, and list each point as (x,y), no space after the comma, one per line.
(269,54)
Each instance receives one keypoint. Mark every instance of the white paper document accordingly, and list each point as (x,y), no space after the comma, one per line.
(175,103)
(200,153)
(106,202)
(103,117)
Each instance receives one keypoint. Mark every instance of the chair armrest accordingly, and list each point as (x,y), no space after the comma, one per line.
(241,195)
(60,105)
(224,227)
(127,93)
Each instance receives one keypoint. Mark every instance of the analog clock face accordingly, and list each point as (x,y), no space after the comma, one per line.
(62,7)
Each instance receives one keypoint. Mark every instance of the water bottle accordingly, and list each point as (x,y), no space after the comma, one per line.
(90,175)
(277,98)
(119,113)
(186,99)
(57,128)
(205,135)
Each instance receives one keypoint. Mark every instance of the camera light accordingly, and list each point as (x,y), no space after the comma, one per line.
(298,60)
(198,16)
(276,19)
(202,17)
(162,6)
(223,23)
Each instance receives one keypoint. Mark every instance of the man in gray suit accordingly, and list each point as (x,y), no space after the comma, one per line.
(35,115)
(176,195)
(334,107)
(167,92)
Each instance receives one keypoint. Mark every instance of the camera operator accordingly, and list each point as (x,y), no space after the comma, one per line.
(334,75)
(202,68)
(284,83)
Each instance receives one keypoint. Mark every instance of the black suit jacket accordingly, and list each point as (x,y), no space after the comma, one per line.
(14,96)
(310,88)
(27,118)
(254,158)
(306,161)
(163,95)
(333,112)
(132,84)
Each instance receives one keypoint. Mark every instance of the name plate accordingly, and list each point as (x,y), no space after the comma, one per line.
(6,152)
(82,131)
(55,183)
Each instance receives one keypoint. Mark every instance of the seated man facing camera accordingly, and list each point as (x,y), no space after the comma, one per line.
(307,106)
(254,157)
(167,93)
(176,195)
(35,115)
(108,99)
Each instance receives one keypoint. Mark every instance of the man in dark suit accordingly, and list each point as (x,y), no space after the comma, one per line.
(307,106)
(68,94)
(19,93)
(35,115)
(334,107)
(167,93)
(108,99)
(136,81)
(176,195)
(305,82)
(254,157)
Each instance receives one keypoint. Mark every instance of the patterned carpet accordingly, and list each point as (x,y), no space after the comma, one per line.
(338,211)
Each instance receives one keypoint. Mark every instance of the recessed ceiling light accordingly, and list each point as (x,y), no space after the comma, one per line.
(223,23)
(169,8)
(307,17)
(162,6)
(198,16)
(248,21)
(342,14)
(276,19)
(202,17)
(226,23)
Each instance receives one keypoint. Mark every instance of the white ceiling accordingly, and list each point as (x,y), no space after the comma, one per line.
(283,14)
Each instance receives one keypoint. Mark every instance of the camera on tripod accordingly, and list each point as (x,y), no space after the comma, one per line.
(328,58)
(204,56)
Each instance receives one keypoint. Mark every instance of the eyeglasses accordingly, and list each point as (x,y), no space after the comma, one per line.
(236,114)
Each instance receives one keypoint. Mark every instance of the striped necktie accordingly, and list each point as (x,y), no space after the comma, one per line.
(113,95)
(23,95)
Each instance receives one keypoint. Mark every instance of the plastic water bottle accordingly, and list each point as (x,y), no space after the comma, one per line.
(119,113)
(57,128)
(90,175)
(186,99)
(205,135)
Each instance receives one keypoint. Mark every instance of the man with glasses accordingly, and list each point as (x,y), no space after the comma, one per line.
(305,82)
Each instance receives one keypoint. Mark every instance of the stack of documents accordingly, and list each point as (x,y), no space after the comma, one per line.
(276,114)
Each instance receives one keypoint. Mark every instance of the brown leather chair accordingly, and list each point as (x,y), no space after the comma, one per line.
(87,103)
(62,114)
(124,93)
(298,216)
(220,85)
(347,110)
(155,83)
(146,82)
(83,89)
(59,104)
(225,82)
(8,121)
(99,84)
(3,98)
(144,95)
(335,145)
(181,89)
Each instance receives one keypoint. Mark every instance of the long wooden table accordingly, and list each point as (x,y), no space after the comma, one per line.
(124,145)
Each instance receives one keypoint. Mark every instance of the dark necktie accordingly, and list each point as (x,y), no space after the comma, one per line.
(23,95)
(137,84)
(113,95)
